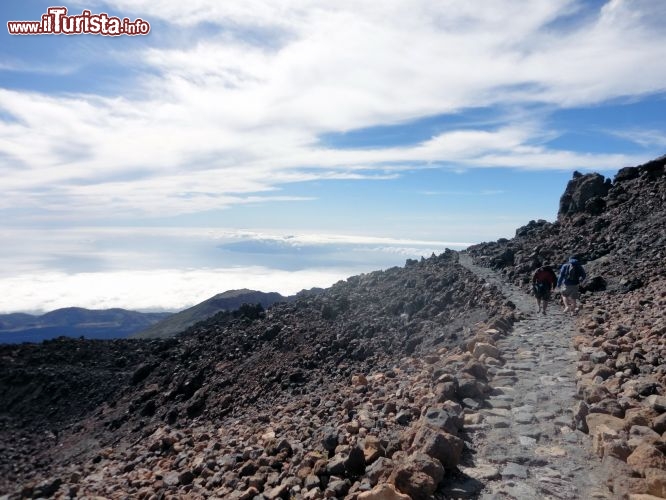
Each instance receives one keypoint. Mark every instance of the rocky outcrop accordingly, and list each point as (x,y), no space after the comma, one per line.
(584,193)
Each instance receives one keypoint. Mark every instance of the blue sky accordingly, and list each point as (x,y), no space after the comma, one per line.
(286,144)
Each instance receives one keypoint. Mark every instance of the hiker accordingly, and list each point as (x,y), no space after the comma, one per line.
(543,282)
(571,275)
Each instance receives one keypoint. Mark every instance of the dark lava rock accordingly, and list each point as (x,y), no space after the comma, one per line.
(355,463)
(581,190)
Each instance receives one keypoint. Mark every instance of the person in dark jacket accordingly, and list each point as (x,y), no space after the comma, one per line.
(543,283)
(571,276)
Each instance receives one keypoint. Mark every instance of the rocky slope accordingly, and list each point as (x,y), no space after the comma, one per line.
(350,392)
(617,229)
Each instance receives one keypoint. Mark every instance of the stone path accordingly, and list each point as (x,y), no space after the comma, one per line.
(524,445)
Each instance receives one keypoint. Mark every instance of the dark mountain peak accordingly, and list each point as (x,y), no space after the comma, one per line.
(225,301)
(234,293)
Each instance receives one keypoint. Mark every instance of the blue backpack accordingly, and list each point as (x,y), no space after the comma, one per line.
(573,273)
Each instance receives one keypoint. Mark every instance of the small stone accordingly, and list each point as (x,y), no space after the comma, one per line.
(336,466)
(471,404)
(418,476)
(383,492)
(403,417)
(473,419)
(550,451)
(372,449)
(186,477)
(379,471)
(481,472)
(279,491)
(330,440)
(499,403)
(602,436)
(527,441)
(171,479)
(656,479)
(580,412)
(595,419)
(338,488)
(498,422)
(355,462)
(524,418)
(444,418)
(514,471)
(659,423)
(487,349)
(311,481)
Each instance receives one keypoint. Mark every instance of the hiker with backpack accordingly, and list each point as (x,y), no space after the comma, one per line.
(572,274)
(543,283)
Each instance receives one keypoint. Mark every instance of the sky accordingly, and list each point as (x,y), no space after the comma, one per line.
(285,144)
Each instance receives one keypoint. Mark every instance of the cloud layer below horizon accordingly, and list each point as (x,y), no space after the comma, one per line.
(117,267)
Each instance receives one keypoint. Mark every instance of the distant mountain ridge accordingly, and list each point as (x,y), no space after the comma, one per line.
(226,301)
(75,322)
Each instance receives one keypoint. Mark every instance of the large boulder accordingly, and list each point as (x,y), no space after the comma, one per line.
(439,445)
(581,190)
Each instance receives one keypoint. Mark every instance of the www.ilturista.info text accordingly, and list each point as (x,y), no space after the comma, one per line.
(57,22)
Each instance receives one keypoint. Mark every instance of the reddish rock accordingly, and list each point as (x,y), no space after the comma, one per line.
(418,476)
(646,456)
(383,492)
(439,445)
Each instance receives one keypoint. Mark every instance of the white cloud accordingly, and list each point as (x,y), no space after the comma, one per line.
(646,138)
(141,268)
(122,248)
(232,118)
(160,289)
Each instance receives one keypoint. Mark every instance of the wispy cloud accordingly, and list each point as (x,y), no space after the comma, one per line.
(232,118)
(646,138)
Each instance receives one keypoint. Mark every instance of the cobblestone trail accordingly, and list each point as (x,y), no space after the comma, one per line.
(525,446)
